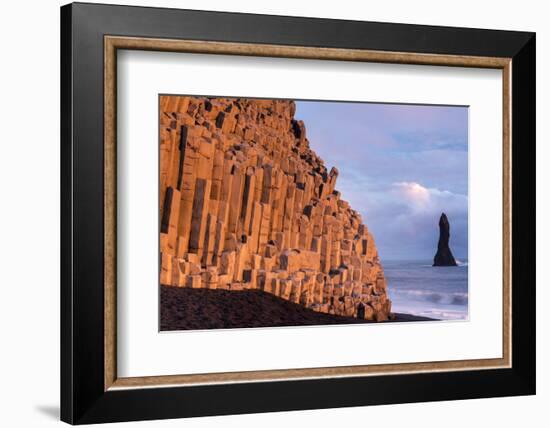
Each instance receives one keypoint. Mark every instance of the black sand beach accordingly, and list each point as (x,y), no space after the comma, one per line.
(199,309)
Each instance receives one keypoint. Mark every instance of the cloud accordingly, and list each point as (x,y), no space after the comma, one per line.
(421,199)
(413,226)
(404,216)
(417,195)
(400,166)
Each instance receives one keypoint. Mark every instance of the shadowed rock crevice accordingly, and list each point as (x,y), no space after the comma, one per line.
(444,256)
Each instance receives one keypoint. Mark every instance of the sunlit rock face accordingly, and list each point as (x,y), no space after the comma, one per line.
(246,204)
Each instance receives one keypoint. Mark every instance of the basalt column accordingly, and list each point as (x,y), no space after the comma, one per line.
(247,204)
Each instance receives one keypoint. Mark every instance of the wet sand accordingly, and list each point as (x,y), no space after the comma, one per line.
(199,309)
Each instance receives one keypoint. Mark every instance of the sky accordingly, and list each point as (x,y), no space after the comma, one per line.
(400,166)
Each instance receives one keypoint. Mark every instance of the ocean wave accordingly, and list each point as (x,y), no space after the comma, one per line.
(443,315)
(435,313)
(460,299)
(458,263)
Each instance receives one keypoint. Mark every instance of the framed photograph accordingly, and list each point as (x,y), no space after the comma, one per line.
(266,213)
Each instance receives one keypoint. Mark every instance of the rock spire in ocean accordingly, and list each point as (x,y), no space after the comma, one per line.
(444,256)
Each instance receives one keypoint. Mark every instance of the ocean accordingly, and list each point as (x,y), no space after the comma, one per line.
(417,288)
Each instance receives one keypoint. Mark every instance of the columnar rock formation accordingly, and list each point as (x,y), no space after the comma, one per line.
(246,204)
(444,256)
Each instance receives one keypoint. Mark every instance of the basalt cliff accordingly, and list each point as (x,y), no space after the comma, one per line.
(246,204)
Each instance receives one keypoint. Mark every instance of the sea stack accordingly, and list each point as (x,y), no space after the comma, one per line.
(444,257)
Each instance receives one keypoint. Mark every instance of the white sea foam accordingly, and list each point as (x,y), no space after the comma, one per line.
(417,288)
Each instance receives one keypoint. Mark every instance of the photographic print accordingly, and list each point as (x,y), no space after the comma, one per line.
(277,212)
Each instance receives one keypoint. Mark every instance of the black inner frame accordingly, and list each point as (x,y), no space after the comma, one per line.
(83,399)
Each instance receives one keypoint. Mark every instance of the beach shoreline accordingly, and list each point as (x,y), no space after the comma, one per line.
(204,309)
(437,292)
